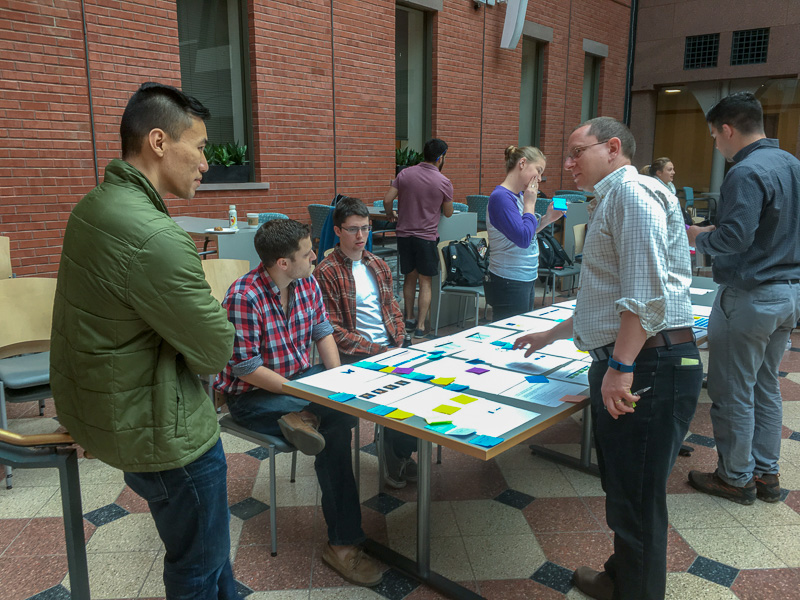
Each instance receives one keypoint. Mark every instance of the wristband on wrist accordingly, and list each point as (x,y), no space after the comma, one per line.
(621,367)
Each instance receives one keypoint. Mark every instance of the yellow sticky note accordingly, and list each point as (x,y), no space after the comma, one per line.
(445,409)
(399,414)
(463,399)
(443,380)
(387,370)
(689,362)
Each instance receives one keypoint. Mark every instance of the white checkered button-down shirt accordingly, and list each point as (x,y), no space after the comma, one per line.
(635,258)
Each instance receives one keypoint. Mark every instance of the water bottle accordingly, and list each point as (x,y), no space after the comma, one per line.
(233,222)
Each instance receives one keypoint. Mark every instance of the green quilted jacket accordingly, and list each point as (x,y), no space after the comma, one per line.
(134,323)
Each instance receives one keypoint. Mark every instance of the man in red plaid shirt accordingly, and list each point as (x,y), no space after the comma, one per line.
(357,290)
(278,312)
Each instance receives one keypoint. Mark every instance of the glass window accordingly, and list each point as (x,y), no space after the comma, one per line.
(530,92)
(780,99)
(212,42)
(591,87)
(701,51)
(413,83)
(749,46)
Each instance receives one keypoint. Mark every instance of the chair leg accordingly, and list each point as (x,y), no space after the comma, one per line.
(438,454)
(4,425)
(41,407)
(438,313)
(357,455)
(294,466)
(73,527)
(381,458)
(273,502)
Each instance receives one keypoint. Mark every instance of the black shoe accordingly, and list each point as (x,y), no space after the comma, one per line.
(595,584)
(411,325)
(419,333)
(686,450)
(768,487)
(711,483)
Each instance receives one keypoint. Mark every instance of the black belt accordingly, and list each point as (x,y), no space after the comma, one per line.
(773,281)
(662,338)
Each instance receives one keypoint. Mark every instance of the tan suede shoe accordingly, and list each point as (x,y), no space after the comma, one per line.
(301,434)
(356,567)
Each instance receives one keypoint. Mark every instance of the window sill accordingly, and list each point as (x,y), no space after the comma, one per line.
(215,187)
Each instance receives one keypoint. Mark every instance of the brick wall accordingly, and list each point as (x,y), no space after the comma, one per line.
(301,53)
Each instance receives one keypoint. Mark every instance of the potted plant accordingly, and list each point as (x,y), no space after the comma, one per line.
(227,163)
(406,157)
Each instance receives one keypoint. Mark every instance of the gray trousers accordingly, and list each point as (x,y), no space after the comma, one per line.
(747,335)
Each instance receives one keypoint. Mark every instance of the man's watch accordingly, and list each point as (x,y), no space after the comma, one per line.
(621,367)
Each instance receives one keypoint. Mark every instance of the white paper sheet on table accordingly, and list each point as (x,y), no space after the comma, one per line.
(565,348)
(548,394)
(347,378)
(699,291)
(391,390)
(574,372)
(493,380)
(445,345)
(480,335)
(551,313)
(701,311)
(514,360)
(401,357)
(525,324)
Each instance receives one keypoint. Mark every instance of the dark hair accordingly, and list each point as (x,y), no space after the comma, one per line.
(742,111)
(659,164)
(434,149)
(279,238)
(605,128)
(157,106)
(513,154)
(348,207)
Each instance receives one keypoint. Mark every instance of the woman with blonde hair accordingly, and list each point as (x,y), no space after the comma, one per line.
(663,170)
(512,227)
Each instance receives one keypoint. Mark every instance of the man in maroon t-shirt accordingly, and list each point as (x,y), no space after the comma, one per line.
(423,194)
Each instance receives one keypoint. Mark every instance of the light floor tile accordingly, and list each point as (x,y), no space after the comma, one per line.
(448,556)
(135,533)
(286,595)
(790,451)
(236,533)
(520,457)
(25,502)
(303,492)
(684,586)
(283,465)
(153,586)
(733,546)
(698,511)
(791,415)
(118,574)
(504,556)
(33,425)
(783,541)
(233,444)
(93,496)
(540,484)
(35,478)
(790,475)
(704,398)
(761,514)
(584,483)
(347,593)
(488,517)
(95,471)
(793,377)
(402,522)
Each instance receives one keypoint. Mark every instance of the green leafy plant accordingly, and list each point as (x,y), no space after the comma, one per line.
(226,154)
(407,157)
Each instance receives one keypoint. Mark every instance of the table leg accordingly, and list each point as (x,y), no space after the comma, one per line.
(585,462)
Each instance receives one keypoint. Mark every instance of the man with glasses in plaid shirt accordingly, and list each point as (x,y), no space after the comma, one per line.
(634,316)
(278,312)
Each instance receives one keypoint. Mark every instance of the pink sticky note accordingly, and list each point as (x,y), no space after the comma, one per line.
(477,370)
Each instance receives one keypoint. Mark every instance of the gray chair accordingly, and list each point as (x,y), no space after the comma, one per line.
(318,213)
(269,216)
(478,205)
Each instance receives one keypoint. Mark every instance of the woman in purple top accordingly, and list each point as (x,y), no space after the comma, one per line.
(512,227)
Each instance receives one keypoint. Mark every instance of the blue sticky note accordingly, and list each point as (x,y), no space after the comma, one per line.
(436,352)
(341,397)
(436,356)
(461,431)
(442,428)
(537,379)
(498,343)
(369,365)
(419,376)
(560,203)
(456,387)
(475,361)
(486,441)
(381,410)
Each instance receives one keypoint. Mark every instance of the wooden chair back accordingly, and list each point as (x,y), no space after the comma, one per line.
(222,272)
(5,257)
(26,314)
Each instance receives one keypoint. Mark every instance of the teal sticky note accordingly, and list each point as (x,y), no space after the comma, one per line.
(419,376)
(461,431)
(456,387)
(381,410)
(498,343)
(537,379)
(560,203)
(369,365)
(341,397)
(486,441)
(442,428)
(436,356)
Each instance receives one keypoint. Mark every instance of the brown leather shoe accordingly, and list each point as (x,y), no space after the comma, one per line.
(595,584)
(768,487)
(356,567)
(301,434)
(711,483)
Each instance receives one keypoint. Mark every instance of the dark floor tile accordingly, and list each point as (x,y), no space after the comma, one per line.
(572,550)
(782,373)
(713,571)
(259,453)
(515,499)
(242,465)
(383,503)
(57,592)
(553,515)
(44,537)
(680,556)
(701,440)
(131,501)
(370,448)
(792,500)
(242,589)
(256,568)
(758,584)
(395,585)
(105,514)
(554,576)
(423,592)
(24,576)
(10,529)
(295,524)
(517,589)
(795,436)
(248,508)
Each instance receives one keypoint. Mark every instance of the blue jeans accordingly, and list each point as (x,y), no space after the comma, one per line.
(636,453)
(260,410)
(190,508)
(508,297)
(747,337)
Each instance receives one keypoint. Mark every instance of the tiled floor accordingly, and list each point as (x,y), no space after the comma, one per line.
(513,527)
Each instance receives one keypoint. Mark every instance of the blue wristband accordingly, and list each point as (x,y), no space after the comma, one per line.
(621,367)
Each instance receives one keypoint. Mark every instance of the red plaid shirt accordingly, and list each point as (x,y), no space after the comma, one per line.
(335,276)
(264,335)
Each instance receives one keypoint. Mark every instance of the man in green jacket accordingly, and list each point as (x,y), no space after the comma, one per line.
(134,324)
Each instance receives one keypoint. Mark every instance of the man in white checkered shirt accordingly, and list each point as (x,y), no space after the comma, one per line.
(634,316)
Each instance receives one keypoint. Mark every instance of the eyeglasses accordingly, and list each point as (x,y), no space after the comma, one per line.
(354,230)
(576,152)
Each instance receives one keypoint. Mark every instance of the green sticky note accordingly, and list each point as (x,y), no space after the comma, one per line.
(463,399)
(399,414)
(689,362)
(435,421)
(446,410)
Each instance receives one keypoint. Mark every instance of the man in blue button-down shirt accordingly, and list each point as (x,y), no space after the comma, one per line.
(756,245)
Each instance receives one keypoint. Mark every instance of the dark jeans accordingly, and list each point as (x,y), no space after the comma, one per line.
(190,508)
(260,410)
(508,297)
(636,453)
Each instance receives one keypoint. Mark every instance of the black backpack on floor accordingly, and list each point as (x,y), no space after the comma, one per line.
(551,254)
(466,262)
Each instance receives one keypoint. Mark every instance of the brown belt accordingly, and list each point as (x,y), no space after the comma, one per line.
(676,336)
